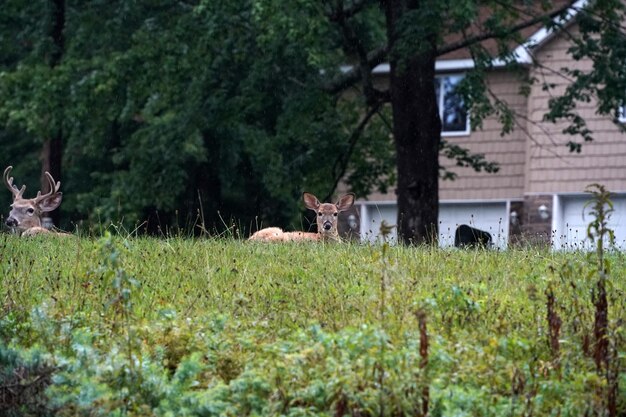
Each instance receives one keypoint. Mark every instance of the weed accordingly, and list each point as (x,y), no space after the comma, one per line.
(599,337)
(604,356)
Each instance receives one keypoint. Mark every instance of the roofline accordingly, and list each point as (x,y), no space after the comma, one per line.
(537,39)
(523,53)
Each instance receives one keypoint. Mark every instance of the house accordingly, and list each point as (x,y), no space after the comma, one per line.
(538,195)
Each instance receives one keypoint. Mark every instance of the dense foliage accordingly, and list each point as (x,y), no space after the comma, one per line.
(142,327)
(172,110)
(182,113)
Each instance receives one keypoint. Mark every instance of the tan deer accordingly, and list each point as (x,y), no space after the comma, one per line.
(25,215)
(327,215)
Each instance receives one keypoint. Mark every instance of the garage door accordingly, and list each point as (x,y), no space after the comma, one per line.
(573,219)
(372,216)
(490,217)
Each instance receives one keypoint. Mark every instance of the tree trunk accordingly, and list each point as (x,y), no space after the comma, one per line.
(416,131)
(52,151)
(209,184)
(51,155)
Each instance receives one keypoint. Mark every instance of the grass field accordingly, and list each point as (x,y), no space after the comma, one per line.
(169,327)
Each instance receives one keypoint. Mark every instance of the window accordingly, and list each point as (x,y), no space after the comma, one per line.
(621,114)
(452,110)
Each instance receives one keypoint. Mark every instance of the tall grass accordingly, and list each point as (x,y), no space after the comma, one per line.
(243,328)
(286,286)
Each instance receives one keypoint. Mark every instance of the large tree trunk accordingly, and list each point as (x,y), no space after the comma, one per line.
(416,131)
(52,151)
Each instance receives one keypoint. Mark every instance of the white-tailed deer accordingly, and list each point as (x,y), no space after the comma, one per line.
(25,215)
(327,215)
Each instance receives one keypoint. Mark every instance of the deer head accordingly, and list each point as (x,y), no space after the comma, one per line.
(26,212)
(327,213)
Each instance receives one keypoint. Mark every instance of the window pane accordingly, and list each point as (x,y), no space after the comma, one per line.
(454,118)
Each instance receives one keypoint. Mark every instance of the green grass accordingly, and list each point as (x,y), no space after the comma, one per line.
(302,328)
(286,285)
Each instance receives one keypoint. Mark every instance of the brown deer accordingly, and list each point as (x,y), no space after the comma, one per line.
(327,215)
(25,215)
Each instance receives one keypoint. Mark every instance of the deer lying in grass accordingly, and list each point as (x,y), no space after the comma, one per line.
(25,215)
(327,215)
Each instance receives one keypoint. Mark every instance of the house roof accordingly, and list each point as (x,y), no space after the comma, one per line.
(535,35)
(543,35)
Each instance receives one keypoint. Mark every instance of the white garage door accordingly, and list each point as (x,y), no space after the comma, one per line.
(573,219)
(372,216)
(490,217)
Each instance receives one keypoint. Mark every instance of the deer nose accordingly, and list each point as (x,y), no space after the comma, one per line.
(328,225)
(11,222)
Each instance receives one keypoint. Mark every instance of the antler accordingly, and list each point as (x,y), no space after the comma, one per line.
(9,183)
(54,188)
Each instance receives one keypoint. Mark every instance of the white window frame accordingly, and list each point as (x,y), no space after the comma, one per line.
(440,97)
(621,114)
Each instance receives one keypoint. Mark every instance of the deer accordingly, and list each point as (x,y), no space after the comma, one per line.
(327,216)
(25,215)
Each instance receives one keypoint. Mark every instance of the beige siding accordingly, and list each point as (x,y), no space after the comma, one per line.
(534,159)
(550,166)
(507,150)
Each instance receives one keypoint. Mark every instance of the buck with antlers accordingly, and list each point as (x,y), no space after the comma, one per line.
(25,215)
(327,216)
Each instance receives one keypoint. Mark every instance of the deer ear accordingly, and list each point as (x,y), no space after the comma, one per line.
(50,203)
(345,202)
(310,201)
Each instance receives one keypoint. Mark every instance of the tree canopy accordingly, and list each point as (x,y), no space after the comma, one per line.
(166,107)
(174,112)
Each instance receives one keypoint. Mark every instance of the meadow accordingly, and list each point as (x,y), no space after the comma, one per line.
(132,326)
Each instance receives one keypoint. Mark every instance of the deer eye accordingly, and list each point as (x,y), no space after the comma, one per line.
(319,213)
(30,210)
(335,214)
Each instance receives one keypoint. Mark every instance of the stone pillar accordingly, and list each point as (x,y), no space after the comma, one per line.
(535,229)
(516,224)
(348,224)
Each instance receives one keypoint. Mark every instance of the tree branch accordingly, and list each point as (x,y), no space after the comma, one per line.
(347,12)
(342,160)
(355,45)
(353,75)
(498,105)
(498,34)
